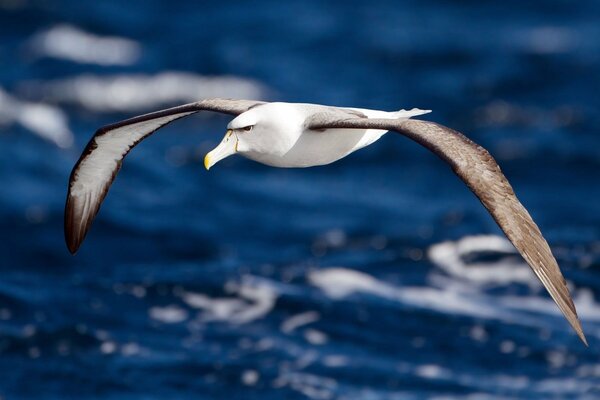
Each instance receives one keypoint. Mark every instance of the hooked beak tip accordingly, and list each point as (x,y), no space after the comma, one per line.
(227,147)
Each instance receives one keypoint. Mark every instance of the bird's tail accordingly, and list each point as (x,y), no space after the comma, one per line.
(409,113)
(402,114)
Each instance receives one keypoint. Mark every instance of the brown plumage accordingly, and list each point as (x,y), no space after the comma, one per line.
(478,169)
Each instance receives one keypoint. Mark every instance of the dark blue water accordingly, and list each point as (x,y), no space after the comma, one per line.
(377,277)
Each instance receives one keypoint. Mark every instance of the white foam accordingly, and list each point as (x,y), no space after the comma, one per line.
(48,122)
(312,386)
(519,385)
(296,321)
(70,43)
(254,300)
(456,298)
(171,314)
(449,256)
(432,371)
(588,308)
(130,349)
(250,377)
(315,337)
(339,283)
(216,308)
(335,361)
(137,92)
(459,287)
(108,347)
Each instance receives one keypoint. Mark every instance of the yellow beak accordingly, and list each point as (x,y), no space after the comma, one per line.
(227,147)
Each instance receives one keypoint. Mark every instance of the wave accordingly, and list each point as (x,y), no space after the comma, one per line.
(452,258)
(460,288)
(250,300)
(138,92)
(46,121)
(67,42)
(296,321)
(340,283)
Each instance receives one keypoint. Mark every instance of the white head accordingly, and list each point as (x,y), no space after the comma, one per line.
(261,133)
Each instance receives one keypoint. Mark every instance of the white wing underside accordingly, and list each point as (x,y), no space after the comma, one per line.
(101,160)
(96,172)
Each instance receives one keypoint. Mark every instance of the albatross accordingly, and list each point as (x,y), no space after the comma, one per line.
(289,135)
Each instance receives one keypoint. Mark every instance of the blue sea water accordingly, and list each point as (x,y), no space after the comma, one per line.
(377,277)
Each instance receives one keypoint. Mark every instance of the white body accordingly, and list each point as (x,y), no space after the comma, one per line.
(283,141)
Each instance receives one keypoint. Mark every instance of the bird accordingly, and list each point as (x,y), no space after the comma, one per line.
(298,135)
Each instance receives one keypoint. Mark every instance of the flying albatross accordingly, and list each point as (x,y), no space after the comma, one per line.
(303,135)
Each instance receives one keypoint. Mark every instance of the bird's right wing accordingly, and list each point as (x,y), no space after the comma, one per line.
(102,158)
(477,168)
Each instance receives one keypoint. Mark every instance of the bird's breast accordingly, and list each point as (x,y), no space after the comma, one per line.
(312,148)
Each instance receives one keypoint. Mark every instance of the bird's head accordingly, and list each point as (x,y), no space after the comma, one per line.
(258,133)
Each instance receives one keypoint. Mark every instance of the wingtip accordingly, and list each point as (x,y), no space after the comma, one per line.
(575,323)
(73,247)
(579,331)
(72,240)
(570,314)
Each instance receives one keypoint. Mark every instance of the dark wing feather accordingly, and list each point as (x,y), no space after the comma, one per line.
(102,158)
(478,169)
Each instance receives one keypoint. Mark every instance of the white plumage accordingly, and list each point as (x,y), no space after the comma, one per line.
(280,137)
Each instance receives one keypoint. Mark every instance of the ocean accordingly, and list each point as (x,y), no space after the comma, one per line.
(380,276)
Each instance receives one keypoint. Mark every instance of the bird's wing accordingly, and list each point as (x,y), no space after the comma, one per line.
(478,169)
(102,158)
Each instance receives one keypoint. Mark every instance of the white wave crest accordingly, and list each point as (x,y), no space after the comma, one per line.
(171,314)
(138,92)
(339,283)
(456,298)
(254,300)
(70,43)
(296,321)
(309,385)
(450,257)
(48,122)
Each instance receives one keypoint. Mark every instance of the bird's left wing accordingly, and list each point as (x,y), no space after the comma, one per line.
(478,169)
(102,158)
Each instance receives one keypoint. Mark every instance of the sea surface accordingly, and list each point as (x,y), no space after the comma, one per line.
(378,277)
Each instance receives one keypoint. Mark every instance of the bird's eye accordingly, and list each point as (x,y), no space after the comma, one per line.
(248,128)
